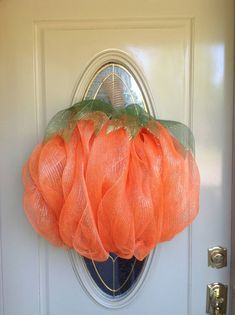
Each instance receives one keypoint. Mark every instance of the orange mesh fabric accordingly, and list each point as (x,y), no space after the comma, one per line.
(180,179)
(102,192)
(106,179)
(39,214)
(144,190)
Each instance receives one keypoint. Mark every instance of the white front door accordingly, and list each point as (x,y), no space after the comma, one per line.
(185,51)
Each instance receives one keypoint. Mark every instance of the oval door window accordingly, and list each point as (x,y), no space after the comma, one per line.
(116,278)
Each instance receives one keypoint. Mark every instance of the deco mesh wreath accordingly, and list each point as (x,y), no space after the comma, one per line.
(111,180)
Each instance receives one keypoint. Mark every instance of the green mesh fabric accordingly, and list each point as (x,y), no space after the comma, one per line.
(132,118)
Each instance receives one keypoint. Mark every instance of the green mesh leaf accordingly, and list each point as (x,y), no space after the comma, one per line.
(129,123)
(58,123)
(135,111)
(64,122)
(181,132)
(132,118)
(89,106)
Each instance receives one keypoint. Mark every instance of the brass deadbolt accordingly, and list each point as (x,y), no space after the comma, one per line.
(217,257)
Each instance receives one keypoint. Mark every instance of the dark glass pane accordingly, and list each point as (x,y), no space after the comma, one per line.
(116,275)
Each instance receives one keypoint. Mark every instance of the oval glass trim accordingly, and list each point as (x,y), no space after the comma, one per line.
(114,66)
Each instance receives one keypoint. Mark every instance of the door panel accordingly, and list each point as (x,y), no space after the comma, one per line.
(185,55)
(162,50)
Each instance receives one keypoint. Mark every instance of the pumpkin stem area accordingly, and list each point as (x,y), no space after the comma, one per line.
(131,118)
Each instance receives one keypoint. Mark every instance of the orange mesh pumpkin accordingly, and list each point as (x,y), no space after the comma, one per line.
(111,180)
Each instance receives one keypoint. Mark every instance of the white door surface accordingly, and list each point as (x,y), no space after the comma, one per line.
(185,51)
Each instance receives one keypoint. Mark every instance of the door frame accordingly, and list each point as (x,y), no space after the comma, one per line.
(232,264)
